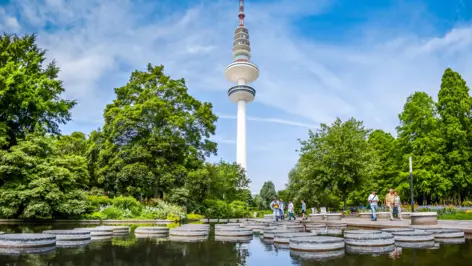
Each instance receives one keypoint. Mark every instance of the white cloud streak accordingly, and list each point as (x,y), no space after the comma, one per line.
(269,120)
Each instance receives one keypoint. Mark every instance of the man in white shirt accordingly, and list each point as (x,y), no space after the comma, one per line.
(373,199)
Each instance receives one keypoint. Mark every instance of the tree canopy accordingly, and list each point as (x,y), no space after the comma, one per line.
(29,90)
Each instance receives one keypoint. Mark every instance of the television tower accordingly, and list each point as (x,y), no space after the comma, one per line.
(242,72)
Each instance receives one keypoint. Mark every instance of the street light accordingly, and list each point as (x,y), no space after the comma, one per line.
(411,187)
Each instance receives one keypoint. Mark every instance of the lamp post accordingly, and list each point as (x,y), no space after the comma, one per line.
(411,187)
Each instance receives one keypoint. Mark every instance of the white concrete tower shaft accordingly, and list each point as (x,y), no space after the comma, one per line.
(242,72)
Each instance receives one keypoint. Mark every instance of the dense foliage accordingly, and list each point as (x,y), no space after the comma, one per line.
(147,161)
(342,163)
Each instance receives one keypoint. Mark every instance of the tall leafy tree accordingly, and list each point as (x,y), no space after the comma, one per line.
(267,194)
(29,90)
(155,133)
(383,176)
(340,156)
(419,137)
(454,107)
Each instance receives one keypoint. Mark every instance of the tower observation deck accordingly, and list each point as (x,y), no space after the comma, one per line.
(241,72)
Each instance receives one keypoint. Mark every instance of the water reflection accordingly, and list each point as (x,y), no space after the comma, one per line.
(128,250)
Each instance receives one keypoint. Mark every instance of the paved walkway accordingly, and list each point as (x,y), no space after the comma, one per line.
(363,223)
(466,226)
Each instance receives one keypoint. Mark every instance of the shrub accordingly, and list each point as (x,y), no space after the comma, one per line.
(112,213)
(194,217)
(467,203)
(95,202)
(239,209)
(95,216)
(124,203)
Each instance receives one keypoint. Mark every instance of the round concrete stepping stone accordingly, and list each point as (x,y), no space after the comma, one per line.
(413,236)
(70,238)
(270,234)
(151,231)
(439,233)
(117,230)
(17,244)
(317,256)
(188,232)
(97,232)
(316,243)
(187,239)
(268,229)
(369,243)
(414,239)
(399,229)
(337,225)
(358,232)
(101,238)
(234,239)
(233,232)
(284,238)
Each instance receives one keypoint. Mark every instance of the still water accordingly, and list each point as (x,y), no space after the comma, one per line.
(131,251)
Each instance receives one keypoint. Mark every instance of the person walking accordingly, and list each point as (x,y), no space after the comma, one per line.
(303,210)
(389,202)
(282,206)
(290,212)
(373,199)
(397,204)
(274,206)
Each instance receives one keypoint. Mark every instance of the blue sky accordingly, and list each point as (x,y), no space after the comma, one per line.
(319,59)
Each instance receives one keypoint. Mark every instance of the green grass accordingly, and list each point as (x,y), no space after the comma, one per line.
(456,216)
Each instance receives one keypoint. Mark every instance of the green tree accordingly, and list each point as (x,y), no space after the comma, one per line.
(37,181)
(155,133)
(419,137)
(383,176)
(267,194)
(454,108)
(339,158)
(29,90)
(228,182)
(75,143)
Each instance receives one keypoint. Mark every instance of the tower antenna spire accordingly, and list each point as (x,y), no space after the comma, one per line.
(241,13)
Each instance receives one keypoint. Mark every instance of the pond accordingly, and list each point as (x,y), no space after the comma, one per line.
(131,251)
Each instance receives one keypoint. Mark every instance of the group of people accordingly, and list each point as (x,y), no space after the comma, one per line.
(392,201)
(278,207)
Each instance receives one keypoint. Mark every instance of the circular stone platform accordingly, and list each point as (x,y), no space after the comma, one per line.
(117,230)
(151,231)
(413,236)
(316,243)
(399,229)
(439,233)
(369,243)
(284,238)
(233,232)
(97,232)
(16,244)
(188,232)
(70,238)
(357,232)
